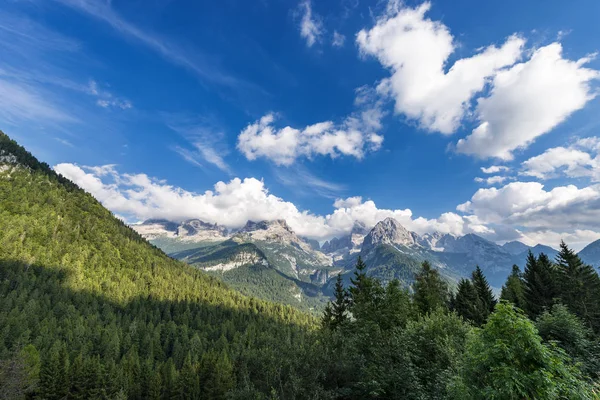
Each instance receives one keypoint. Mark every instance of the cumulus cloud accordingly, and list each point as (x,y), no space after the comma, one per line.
(579,160)
(527,101)
(139,197)
(416,50)
(512,101)
(311,27)
(492,180)
(577,239)
(529,204)
(494,169)
(355,135)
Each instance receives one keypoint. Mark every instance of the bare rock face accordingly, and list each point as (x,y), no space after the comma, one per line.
(389,231)
(347,244)
(193,230)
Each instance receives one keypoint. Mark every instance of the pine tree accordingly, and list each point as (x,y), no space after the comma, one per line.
(487,302)
(361,283)
(364,292)
(579,286)
(336,312)
(466,302)
(188,386)
(430,290)
(513,290)
(53,374)
(539,285)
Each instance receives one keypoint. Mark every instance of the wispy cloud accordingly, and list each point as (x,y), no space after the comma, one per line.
(19,102)
(106,99)
(302,181)
(311,27)
(168,49)
(206,139)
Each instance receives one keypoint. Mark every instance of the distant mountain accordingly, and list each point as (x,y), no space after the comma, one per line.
(591,254)
(389,231)
(342,249)
(515,247)
(263,258)
(521,258)
(389,249)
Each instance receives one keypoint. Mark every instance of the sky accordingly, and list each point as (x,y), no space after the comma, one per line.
(458,117)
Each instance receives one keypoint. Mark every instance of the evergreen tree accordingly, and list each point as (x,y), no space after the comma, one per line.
(430,290)
(487,302)
(364,293)
(53,374)
(361,283)
(188,385)
(466,302)
(336,312)
(539,285)
(513,290)
(579,286)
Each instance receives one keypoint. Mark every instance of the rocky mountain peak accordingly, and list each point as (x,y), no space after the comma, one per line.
(277,224)
(389,231)
(194,227)
(515,247)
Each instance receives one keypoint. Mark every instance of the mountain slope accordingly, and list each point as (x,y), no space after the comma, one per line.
(515,247)
(76,283)
(246,268)
(591,254)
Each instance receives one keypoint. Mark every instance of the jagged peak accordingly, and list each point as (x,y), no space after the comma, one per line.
(266,224)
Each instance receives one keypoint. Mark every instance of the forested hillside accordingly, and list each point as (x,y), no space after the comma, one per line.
(104,314)
(90,310)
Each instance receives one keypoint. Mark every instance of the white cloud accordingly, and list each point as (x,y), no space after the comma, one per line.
(22,102)
(311,27)
(139,197)
(579,160)
(528,204)
(416,51)
(517,211)
(577,239)
(353,137)
(303,182)
(494,169)
(492,180)
(527,101)
(207,140)
(338,39)
(106,99)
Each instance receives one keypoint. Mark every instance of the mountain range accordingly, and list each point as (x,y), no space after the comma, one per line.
(268,259)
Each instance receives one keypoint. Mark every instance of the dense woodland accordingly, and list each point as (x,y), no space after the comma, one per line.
(90,310)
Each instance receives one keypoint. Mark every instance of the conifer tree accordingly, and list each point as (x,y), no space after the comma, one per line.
(466,302)
(361,283)
(539,285)
(364,292)
(579,286)
(513,289)
(188,386)
(53,374)
(487,302)
(430,290)
(336,312)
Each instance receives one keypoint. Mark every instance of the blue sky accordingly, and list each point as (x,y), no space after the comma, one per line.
(149,104)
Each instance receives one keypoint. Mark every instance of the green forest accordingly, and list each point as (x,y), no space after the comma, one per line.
(90,310)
